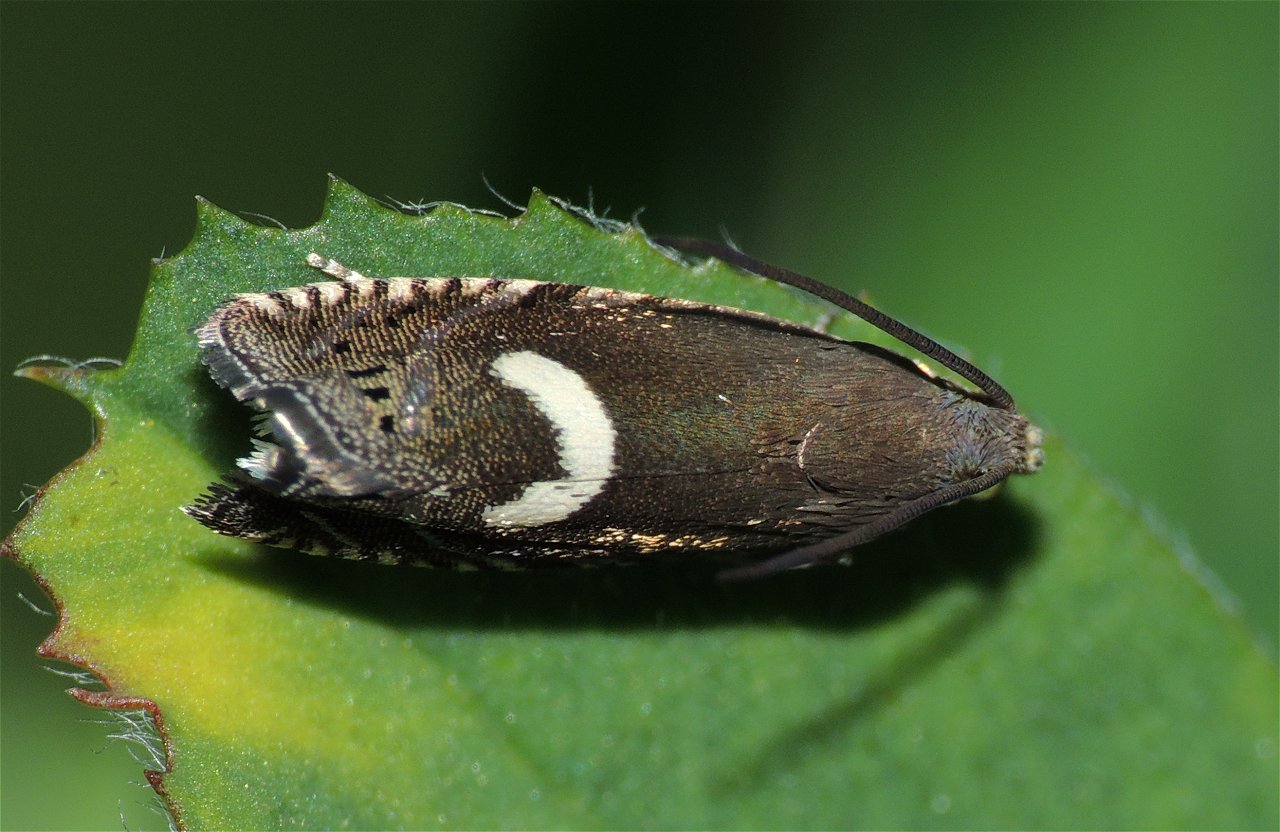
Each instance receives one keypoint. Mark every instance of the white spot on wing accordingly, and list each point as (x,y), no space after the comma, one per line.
(262,302)
(400,288)
(584,434)
(330,293)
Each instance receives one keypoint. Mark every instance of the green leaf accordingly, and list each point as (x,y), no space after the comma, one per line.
(1040,659)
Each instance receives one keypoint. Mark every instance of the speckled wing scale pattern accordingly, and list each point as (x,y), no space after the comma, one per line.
(488,423)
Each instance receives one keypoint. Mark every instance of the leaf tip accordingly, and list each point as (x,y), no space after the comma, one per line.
(339,192)
(66,377)
(210,219)
(8,550)
(540,203)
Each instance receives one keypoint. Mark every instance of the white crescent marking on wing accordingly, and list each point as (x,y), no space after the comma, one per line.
(584,435)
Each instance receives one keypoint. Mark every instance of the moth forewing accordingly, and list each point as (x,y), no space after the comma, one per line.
(505,423)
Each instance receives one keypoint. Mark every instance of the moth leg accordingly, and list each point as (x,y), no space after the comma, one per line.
(333,268)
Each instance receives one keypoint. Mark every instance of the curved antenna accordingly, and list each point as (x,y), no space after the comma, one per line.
(832,546)
(997,395)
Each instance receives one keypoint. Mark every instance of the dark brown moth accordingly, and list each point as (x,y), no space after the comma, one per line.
(481,423)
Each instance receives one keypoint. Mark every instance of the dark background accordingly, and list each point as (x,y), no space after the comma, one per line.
(1084,197)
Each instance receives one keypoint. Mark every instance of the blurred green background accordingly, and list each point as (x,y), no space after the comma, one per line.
(1083,197)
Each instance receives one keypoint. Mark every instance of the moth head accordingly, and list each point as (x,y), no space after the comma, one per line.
(300,452)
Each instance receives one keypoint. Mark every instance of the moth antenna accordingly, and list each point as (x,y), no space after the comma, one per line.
(826,549)
(333,268)
(996,394)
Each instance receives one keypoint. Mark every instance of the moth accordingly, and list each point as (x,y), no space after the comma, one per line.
(502,423)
